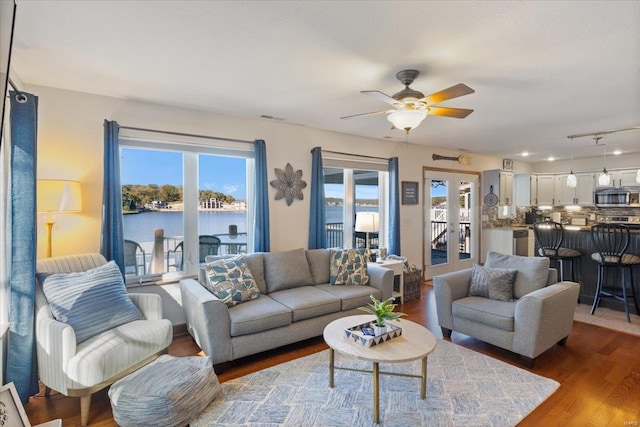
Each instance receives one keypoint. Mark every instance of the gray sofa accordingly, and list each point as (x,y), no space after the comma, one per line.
(296,303)
(539,316)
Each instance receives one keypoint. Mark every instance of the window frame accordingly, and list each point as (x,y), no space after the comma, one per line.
(190,193)
(348,167)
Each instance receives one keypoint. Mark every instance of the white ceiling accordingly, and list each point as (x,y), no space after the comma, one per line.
(541,70)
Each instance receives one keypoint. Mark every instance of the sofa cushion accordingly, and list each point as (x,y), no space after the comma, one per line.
(307,301)
(255,262)
(532,271)
(494,283)
(91,301)
(231,281)
(351,296)
(258,315)
(111,352)
(348,267)
(285,270)
(498,314)
(319,262)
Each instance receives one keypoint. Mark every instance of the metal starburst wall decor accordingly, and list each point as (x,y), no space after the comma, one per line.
(289,184)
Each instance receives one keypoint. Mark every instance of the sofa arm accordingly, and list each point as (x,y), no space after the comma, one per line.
(55,346)
(448,288)
(382,279)
(150,305)
(544,317)
(208,320)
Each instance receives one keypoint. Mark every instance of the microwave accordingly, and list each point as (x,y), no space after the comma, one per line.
(617,197)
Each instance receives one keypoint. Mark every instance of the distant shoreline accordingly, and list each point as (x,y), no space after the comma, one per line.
(170,210)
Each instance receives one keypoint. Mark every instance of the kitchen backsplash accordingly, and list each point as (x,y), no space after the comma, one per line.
(491,220)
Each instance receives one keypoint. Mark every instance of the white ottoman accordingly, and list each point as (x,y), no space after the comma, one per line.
(168,392)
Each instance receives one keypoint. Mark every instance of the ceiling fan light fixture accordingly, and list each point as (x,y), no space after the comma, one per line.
(407,119)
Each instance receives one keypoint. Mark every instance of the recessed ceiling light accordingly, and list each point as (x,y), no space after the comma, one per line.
(617,152)
(551,158)
(525,153)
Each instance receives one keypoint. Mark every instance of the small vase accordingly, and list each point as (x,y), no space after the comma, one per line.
(379,330)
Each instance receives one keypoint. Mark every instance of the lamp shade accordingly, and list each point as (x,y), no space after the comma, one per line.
(367,222)
(55,195)
(407,119)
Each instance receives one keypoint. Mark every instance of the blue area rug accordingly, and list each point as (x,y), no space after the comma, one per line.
(463,388)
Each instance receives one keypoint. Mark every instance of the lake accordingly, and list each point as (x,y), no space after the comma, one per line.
(140,227)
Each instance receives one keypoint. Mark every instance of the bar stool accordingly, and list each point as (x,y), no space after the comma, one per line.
(549,236)
(611,242)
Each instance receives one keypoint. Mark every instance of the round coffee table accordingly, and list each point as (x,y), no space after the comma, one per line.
(416,342)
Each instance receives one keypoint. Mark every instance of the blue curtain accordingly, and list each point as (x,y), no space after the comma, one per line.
(261,239)
(318,217)
(394,207)
(21,356)
(112,237)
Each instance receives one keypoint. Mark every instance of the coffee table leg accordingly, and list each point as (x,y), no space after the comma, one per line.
(376,392)
(423,385)
(331,367)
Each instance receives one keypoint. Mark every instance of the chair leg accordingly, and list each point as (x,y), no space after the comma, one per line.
(563,341)
(47,391)
(528,362)
(446,333)
(596,299)
(85,403)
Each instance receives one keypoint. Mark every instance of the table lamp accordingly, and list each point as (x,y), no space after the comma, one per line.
(367,222)
(57,196)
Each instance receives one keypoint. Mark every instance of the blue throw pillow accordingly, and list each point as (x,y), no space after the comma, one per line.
(90,302)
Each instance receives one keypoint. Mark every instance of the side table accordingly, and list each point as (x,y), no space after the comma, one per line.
(398,271)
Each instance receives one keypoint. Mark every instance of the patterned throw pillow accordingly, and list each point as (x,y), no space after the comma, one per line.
(348,267)
(493,283)
(91,302)
(231,281)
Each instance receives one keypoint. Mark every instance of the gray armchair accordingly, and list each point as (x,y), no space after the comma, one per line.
(539,316)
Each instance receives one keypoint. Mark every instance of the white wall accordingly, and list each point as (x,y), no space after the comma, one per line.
(70,146)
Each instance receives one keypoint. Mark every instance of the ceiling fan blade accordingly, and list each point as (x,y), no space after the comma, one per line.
(453,92)
(381,96)
(458,113)
(366,114)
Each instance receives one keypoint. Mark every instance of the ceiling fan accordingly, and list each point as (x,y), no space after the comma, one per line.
(410,106)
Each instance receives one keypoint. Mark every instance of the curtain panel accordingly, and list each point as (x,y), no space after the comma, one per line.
(261,236)
(394,207)
(112,236)
(318,215)
(21,356)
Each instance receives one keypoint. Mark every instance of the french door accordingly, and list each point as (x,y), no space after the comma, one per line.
(451,221)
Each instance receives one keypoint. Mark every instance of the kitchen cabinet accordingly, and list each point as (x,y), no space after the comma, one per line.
(502,183)
(581,195)
(526,189)
(511,241)
(546,190)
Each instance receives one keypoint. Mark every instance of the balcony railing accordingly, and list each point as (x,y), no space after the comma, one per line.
(439,235)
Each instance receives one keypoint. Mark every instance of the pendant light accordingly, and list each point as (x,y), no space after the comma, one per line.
(604,178)
(572,181)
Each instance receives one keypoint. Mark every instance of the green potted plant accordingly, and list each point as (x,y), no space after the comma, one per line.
(383,310)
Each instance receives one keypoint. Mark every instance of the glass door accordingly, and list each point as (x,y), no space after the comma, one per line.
(451,218)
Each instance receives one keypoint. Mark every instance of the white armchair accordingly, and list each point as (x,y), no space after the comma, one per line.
(82,369)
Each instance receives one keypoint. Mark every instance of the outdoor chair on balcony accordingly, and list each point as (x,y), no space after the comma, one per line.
(208,245)
(133,264)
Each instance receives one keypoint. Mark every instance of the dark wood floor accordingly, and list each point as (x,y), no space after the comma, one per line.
(598,369)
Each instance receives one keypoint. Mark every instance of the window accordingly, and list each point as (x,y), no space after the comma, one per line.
(347,192)
(181,203)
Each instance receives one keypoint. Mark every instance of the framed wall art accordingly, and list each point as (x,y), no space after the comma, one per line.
(409,193)
(507,164)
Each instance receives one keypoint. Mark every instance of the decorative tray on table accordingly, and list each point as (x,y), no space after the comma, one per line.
(363,334)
